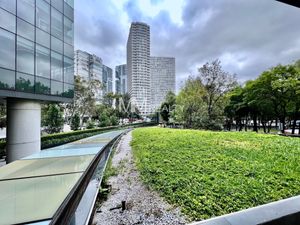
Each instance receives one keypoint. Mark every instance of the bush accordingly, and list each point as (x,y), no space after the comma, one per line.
(90,124)
(75,122)
(53,119)
(114,120)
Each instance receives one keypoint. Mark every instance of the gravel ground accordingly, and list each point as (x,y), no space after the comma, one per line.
(142,205)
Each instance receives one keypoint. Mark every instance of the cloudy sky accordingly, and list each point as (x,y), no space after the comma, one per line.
(248,36)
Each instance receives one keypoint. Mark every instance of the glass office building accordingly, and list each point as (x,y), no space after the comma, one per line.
(36,49)
(36,65)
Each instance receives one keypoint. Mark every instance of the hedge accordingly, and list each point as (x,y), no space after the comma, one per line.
(53,140)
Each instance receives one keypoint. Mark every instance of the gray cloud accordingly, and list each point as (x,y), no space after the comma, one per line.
(248,36)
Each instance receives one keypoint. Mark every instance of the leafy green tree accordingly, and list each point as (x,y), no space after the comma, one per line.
(216,83)
(75,122)
(53,118)
(236,109)
(273,96)
(85,97)
(168,106)
(190,109)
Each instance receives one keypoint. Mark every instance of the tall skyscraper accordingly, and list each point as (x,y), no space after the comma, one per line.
(107,79)
(138,66)
(121,79)
(162,79)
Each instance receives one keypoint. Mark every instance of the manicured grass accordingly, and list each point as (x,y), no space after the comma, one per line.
(214,173)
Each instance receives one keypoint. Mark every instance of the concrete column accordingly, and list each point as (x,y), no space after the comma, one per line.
(23,133)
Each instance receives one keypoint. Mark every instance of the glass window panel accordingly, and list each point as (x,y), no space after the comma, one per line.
(25,56)
(56,45)
(7,80)
(24,197)
(58,4)
(56,66)
(70,3)
(48,1)
(9,5)
(56,23)
(7,21)
(42,85)
(68,11)
(25,29)
(51,166)
(68,31)
(68,50)
(25,83)
(43,15)
(42,38)
(68,91)
(42,61)
(56,87)
(26,10)
(68,70)
(7,49)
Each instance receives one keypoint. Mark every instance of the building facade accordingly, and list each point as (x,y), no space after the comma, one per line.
(107,79)
(138,66)
(88,66)
(121,79)
(36,64)
(163,79)
(36,49)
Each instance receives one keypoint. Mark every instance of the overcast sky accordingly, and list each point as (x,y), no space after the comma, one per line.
(248,36)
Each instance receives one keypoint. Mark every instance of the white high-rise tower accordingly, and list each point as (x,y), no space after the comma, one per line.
(138,66)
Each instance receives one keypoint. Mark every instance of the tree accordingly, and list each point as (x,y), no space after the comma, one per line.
(168,106)
(85,97)
(53,118)
(236,110)
(190,107)
(273,96)
(217,83)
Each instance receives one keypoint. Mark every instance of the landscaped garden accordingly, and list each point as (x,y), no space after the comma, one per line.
(214,173)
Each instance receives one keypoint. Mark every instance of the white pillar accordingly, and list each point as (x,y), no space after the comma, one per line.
(23,133)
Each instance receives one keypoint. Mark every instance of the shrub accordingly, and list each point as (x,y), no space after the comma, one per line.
(75,122)
(90,124)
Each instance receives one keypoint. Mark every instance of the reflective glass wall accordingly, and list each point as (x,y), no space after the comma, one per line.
(36,46)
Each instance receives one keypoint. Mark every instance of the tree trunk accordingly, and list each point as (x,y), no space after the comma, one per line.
(294,125)
(264,126)
(255,122)
(283,125)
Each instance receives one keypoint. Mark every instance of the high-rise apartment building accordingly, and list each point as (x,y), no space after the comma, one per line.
(36,64)
(138,66)
(88,66)
(121,79)
(107,79)
(162,79)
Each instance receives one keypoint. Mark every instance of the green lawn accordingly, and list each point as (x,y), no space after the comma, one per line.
(213,173)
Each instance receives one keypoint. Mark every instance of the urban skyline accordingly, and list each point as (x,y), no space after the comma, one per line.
(200,31)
